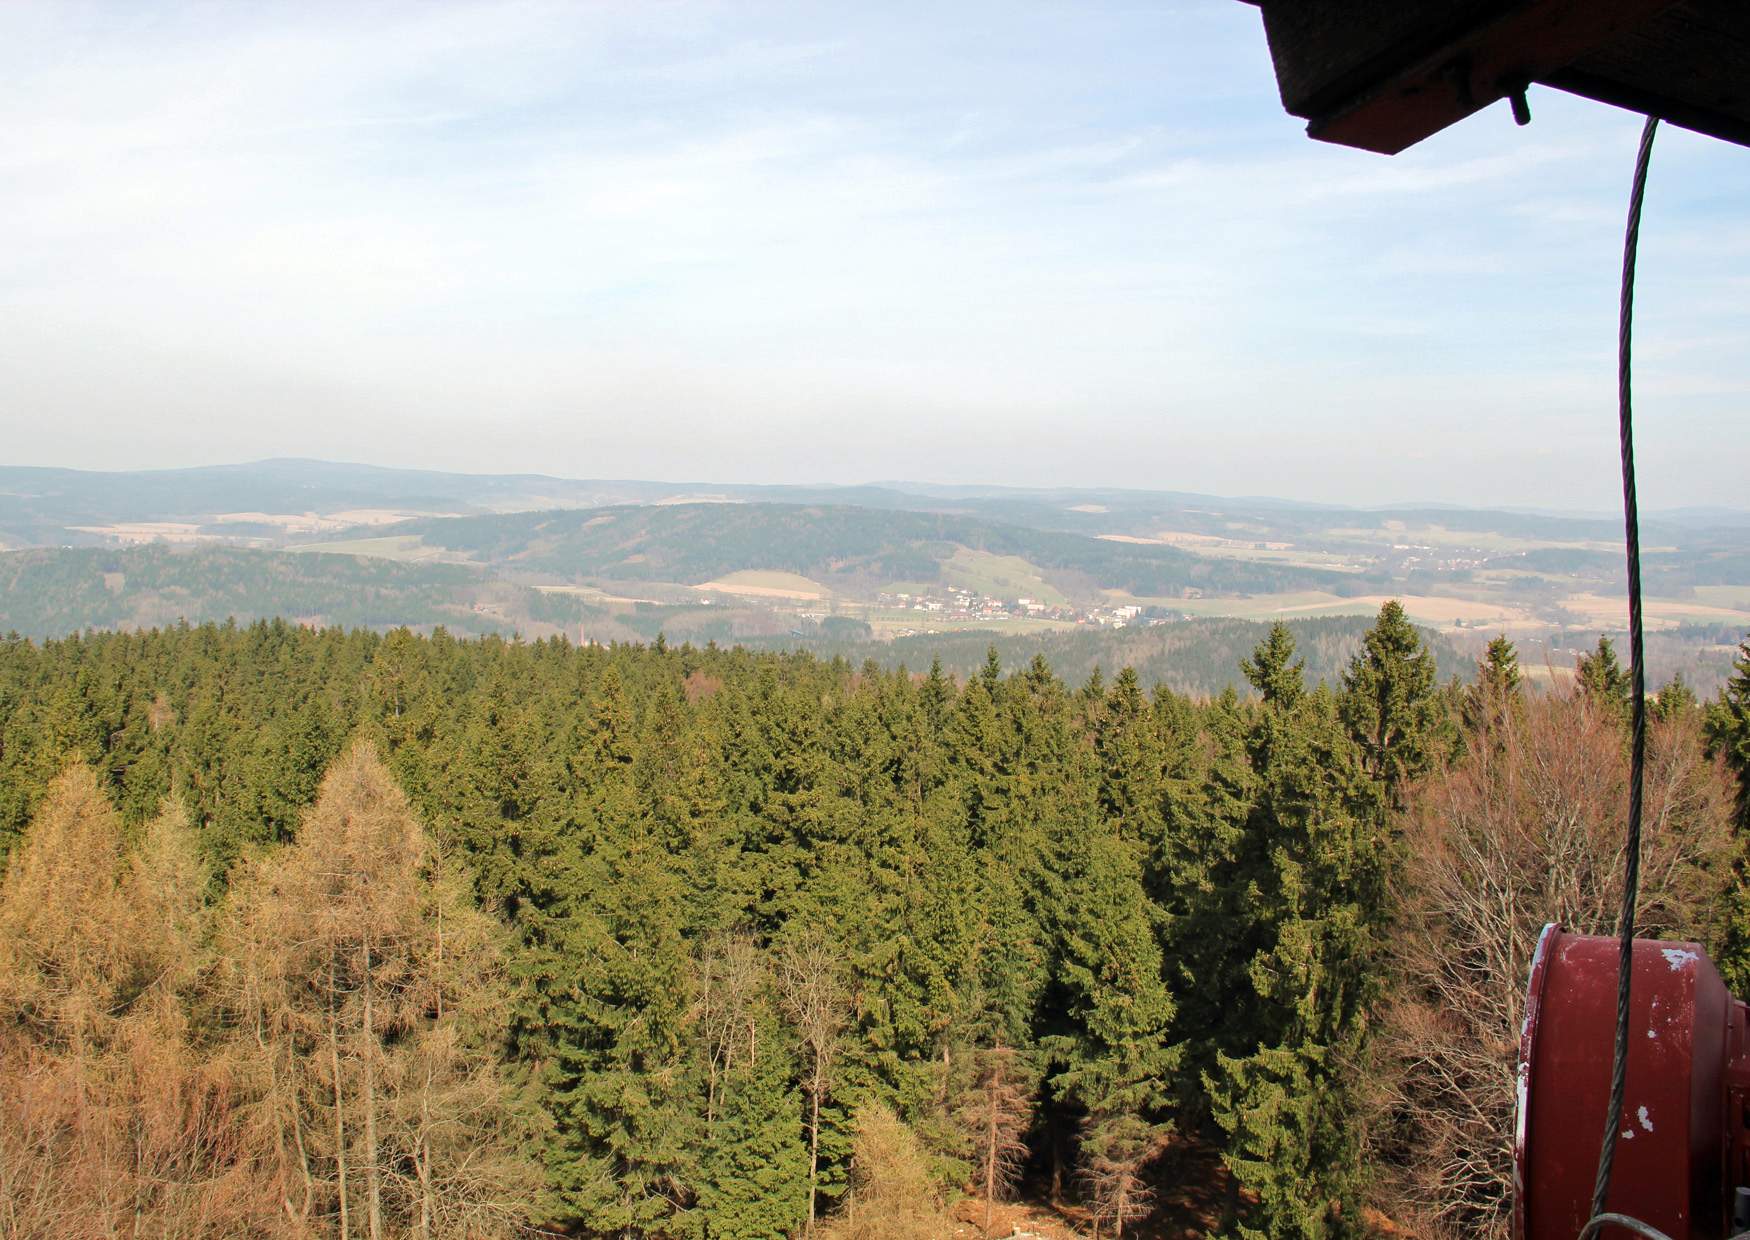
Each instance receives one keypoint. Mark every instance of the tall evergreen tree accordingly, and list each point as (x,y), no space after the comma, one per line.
(618,1082)
(753,1171)
(1391,703)
(1317,894)
(1274,671)
(1603,680)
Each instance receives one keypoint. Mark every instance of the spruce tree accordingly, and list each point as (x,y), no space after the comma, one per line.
(1675,701)
(1603,680)
(1497,693)
(753,1171)
(1317,900)
(1391,703)
(625,1132)
(1274,671)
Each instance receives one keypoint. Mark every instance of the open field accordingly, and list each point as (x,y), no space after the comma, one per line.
(1511,577)
(403,548)
(1398,533)
(1433,611)
(1714,605)
(1665,613)
(146,531)
(1241,607)
(999,576)
(1436,611)
(1287,554)
(322,523)
(1209,543)
(766,583)
(1735,598)
(890,622)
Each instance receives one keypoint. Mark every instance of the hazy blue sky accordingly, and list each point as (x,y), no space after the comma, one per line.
(1012,243)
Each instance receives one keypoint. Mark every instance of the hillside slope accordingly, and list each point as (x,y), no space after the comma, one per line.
(852,546)
(51,592)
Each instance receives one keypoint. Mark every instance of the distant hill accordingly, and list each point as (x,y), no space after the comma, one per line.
(45,505)
(54,592)
(40,506)
(51,592)
(630,552)
(866,547)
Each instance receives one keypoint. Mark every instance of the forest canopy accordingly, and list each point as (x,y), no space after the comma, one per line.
(335,933)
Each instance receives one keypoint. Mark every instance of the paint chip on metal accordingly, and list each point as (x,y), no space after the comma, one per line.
(1679,958)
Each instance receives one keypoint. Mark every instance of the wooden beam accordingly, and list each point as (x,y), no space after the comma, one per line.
(1384,74)
(1689,65)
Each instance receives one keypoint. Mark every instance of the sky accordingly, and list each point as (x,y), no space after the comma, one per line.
(1072,244)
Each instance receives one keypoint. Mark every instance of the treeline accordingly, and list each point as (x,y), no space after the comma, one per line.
(1200,657)
(331,933)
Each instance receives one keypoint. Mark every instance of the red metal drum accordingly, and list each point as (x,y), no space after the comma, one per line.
(1684,1143)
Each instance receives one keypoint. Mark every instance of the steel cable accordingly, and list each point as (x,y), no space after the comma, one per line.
(1638,696)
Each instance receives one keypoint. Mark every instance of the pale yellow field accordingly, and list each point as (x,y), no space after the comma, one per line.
(1735,597)
(146,531)
(1434,611)
(1200,542)
(1248,607)
(1255,550)
(766,583)
(318,523)
(1663,613)
(1440,536)
(594,595)
(406,548)
(893,622)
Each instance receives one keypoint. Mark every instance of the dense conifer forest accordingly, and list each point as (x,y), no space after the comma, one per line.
(331,933)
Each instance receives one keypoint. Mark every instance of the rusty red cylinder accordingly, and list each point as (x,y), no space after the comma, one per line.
(1684,1140)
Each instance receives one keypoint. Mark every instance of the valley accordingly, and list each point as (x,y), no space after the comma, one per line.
(606,561)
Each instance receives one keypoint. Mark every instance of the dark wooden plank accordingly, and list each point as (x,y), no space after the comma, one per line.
(1329,51)
(1383,76)
(1689,65)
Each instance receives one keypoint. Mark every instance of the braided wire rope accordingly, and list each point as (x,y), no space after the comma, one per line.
(1631,881)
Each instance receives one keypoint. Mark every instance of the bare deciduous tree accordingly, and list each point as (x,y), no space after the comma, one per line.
(732,975)
(1525,829)
(812,989)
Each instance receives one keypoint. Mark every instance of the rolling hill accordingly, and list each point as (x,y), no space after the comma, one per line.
(849,547)
(51,592)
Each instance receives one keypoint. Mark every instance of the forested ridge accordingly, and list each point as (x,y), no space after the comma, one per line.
(331,933)
(53,590)
(696,542)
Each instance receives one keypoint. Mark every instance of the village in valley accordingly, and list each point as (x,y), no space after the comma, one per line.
(958,606)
